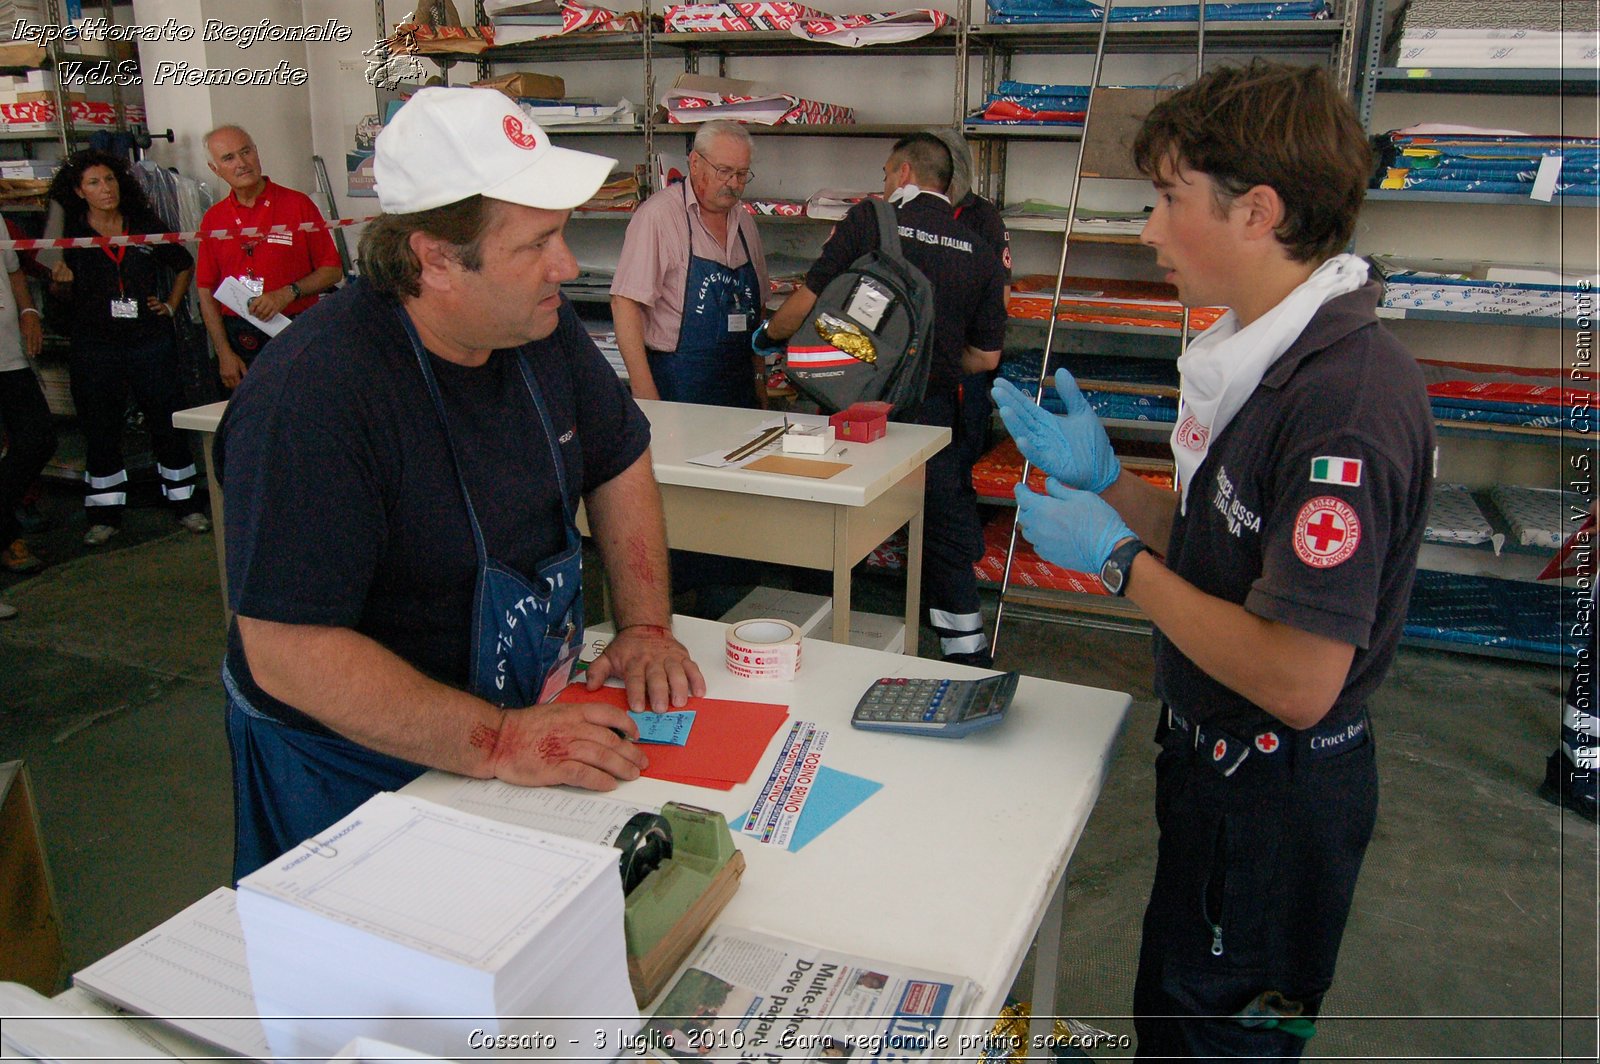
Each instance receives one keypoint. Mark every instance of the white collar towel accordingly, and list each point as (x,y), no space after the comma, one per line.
(1221,369)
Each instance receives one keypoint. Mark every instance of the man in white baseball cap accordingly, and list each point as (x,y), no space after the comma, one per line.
(401,471)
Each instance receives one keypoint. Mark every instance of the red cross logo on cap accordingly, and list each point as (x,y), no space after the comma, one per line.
(1219,751)
(518,135)
(1267,742)
(1326,532)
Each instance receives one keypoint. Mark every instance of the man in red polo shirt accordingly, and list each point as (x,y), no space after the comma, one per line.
(287,271)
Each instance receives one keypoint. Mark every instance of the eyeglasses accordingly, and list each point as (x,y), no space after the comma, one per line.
(725,173)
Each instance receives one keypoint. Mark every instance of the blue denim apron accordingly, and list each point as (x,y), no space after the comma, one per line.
(712,363)
(290,783)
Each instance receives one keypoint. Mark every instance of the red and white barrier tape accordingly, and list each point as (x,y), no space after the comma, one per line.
(178,238)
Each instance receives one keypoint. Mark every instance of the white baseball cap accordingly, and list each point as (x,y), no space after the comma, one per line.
(445,145)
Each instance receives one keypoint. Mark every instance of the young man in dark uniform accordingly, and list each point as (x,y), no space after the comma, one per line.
(969,328)
(1303,449)
(982,217)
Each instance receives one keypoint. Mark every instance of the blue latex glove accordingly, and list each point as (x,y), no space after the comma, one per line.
(1073,449)
(766,346)
(1070,528)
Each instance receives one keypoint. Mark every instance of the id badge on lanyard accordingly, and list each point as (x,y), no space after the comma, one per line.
(121,306)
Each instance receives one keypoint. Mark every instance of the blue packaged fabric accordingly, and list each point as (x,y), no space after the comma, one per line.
(1496,188)
(1133,407)
(1543,419)
(1023,11)
(1505,614)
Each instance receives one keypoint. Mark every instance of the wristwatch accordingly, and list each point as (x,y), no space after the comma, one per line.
(294,287)
(1115,569)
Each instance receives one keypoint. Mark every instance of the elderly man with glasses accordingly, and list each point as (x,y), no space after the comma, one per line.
(691,282)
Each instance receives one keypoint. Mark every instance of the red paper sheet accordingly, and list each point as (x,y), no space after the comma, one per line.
(724,746)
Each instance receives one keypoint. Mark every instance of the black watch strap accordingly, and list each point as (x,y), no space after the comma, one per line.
(294,286)
(1118,567)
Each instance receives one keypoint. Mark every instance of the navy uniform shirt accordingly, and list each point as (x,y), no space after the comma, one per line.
(1310,506)
(341,500)
(983,218)
(968,286)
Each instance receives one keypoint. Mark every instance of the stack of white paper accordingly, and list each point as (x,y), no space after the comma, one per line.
(440,931)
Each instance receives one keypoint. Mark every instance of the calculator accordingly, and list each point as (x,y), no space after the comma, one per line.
(946,708)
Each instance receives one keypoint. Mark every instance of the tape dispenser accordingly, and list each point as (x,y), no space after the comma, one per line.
(679,869)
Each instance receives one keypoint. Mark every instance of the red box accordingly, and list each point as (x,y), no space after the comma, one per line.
(861,422)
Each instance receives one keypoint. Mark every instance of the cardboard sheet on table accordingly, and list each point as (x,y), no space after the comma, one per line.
(833,794)
(724,748)
(798,467)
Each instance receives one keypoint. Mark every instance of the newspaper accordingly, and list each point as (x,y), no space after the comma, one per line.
(747,996)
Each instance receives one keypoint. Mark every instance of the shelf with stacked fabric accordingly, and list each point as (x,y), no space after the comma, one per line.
(1485,117)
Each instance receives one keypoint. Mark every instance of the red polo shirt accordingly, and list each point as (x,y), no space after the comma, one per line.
(278,258)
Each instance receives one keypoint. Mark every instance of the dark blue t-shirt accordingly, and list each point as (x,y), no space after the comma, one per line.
(341,503)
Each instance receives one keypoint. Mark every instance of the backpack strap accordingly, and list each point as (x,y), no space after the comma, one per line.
(888,227)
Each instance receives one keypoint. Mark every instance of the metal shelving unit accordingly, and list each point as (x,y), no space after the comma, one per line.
(1379,78)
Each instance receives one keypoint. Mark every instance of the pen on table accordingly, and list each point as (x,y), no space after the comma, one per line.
(754,445)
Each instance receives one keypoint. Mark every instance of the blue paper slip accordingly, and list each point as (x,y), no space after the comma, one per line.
(833,794)
(671,728)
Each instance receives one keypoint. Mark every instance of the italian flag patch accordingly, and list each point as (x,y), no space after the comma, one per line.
(1331,469)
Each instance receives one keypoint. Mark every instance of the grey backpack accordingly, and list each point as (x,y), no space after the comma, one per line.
(869,338)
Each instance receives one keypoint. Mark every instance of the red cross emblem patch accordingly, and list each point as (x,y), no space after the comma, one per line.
(1192,434)
(1326,532)
(1267,742)
(1219,751)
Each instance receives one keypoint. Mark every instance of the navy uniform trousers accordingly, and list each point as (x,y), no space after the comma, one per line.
(1255,872)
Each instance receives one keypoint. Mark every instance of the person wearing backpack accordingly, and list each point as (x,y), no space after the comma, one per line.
(968,332)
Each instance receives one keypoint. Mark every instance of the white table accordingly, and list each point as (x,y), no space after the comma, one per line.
(954,865)
(204,420)
(819,524)
(957,862)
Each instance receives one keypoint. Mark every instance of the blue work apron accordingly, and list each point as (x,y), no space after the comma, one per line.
(712,363)
(290,784)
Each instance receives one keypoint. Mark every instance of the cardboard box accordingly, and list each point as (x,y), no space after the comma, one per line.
(30,922)
(808,439)
(801,610)
(875,631)
(861,422)
(813,615)
(48,96)
(526,85)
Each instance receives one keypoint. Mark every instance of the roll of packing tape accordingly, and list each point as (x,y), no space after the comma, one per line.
(763,649)
(645,841)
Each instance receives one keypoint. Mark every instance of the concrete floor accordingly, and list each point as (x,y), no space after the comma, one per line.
(1475,925)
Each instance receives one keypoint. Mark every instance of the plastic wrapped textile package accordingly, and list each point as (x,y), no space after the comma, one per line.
(1533,397)
(1454,517)
(1033,103)
(735,17)
(996,474)
(1486,612)
(1488,164)
(1027,568)
(1481,287)
(1017,11)
(1106,301)
(1153,408)
(1505,14)
(1492,414)
(1539,517)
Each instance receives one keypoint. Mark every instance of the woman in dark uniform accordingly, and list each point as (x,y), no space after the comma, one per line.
(122,298)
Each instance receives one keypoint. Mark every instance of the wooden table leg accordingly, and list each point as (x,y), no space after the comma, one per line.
(913,580)
(841,574)
(217,536)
